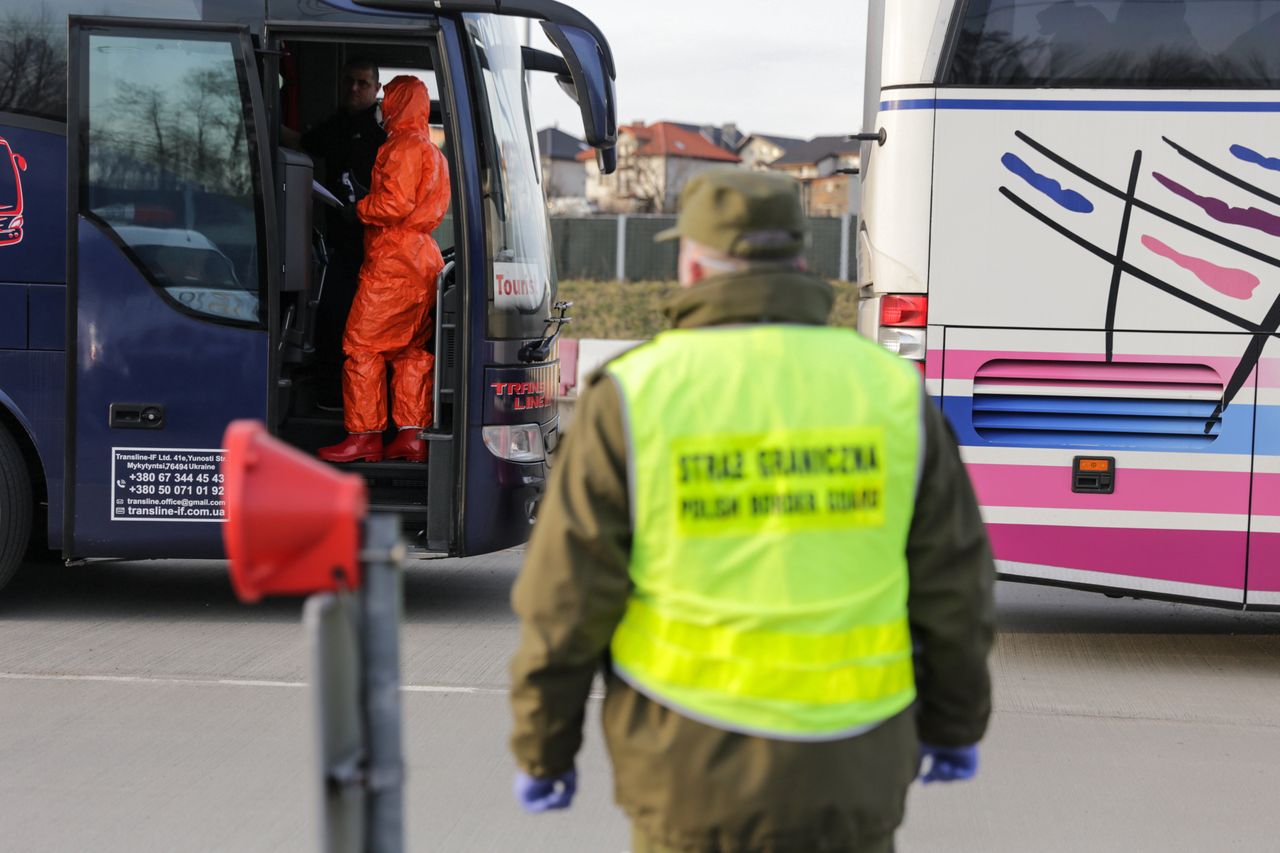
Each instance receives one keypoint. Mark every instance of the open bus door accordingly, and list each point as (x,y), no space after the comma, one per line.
(496,305)
(172,238)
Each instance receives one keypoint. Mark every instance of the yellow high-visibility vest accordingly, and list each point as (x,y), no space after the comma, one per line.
(773,471)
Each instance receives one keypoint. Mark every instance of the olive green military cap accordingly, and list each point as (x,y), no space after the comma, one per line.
(742,213)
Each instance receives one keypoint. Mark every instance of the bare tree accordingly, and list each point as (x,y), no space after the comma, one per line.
(643,177)
(190,136)
(33,65)
(637,185)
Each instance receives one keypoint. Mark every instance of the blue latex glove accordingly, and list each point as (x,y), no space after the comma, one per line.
(540,795)
(949,763)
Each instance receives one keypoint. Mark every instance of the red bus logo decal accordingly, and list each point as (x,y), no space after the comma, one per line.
(12,165)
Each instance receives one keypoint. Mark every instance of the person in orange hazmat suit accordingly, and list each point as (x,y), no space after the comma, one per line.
(390,319)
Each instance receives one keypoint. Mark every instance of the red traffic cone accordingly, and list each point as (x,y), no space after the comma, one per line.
(293,522)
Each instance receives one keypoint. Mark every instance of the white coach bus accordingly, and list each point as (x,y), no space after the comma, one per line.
(1071,218)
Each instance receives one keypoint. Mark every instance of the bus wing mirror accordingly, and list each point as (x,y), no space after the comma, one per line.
(541,60)
(607,160)
(591,75)
(20,161)
(566,85)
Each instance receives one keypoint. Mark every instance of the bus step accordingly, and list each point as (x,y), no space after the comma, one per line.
(413,517)
(405,511)
(410,472)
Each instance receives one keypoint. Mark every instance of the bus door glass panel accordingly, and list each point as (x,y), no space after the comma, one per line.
(522,278)
(1029,406)
(168,287)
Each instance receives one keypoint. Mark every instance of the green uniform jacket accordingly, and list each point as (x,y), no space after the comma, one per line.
(686,784)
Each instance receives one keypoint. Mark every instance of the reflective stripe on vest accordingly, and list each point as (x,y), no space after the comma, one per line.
(772,471)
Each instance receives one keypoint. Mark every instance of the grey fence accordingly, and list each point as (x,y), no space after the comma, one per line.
(621,247)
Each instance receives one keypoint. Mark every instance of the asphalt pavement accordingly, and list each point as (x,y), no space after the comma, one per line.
(143,709)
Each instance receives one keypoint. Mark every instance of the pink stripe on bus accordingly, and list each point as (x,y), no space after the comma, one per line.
(933,364)
(1136,489)
(963,364)
(1269,372)
(1266,494)
(1213,557)
(1264,562)
(1090,372)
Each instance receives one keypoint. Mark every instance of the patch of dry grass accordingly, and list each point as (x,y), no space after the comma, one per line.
(632,310)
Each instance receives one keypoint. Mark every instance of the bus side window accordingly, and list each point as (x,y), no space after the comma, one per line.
(1116,44)
(169,168)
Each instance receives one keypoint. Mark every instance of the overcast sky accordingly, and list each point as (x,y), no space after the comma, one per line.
(792,69)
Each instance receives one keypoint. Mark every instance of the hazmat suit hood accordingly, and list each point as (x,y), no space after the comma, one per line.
(406,103)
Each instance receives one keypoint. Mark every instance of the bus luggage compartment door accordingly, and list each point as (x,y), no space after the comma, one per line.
(1027,404)
(1264,524)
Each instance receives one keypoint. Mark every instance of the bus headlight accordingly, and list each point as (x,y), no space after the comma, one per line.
(519,443)
(908,343)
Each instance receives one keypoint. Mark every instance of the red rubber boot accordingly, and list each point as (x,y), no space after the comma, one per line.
(356,447)
(407,445)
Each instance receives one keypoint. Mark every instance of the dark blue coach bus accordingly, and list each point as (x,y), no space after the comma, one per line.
(163,257)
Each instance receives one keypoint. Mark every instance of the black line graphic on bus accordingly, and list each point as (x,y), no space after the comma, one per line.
(1261,332)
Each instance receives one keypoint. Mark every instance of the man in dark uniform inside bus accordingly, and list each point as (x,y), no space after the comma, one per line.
(344,146)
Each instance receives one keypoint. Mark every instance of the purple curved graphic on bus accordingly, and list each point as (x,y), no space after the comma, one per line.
(1248,155)
(1250,217)
(12,165)
(1070,199)
(1228,281)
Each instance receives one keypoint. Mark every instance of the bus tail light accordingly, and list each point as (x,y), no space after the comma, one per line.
(904,310)
(902,321)
(518,443)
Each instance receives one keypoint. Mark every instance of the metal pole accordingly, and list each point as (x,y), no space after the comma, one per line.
(620,260)
(333,626)
(528,42)
(844,246)
(382,599)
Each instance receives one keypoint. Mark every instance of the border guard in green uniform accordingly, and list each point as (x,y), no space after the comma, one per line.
(760,529)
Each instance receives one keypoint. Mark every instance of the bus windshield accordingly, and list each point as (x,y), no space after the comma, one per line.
(8,178)
(523,279)
(1201,44)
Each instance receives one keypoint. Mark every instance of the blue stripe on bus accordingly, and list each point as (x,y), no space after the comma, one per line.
(1083,106)
(1111,406)
(1267,430)
(1234,435)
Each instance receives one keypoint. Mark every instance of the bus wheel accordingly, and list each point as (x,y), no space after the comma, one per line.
(15,507)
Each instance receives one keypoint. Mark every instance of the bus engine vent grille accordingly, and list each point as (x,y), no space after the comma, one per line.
(1058,403)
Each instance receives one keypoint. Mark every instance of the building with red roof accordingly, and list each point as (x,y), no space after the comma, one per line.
(824,166)
(655,161)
